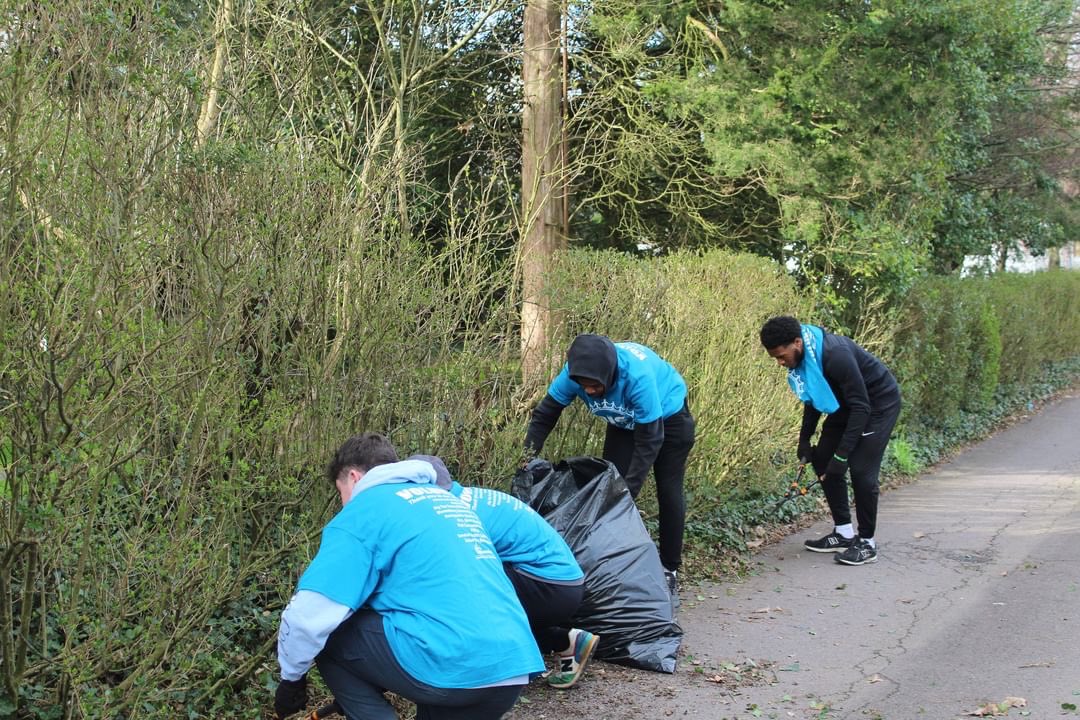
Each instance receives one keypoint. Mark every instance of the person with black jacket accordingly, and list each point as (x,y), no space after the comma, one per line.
(834,376)
(644,401)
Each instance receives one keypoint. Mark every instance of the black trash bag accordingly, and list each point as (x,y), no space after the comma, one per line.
(627,602)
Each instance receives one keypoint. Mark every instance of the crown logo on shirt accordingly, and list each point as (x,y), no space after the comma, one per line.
(606,406)
(799,384)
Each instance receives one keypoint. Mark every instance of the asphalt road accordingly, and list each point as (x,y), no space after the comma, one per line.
(975,599)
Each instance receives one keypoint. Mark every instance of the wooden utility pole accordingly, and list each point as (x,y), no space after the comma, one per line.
(211,107)
(541,173)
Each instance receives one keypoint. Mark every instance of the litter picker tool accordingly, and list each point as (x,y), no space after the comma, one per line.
(796,489)
(331,708)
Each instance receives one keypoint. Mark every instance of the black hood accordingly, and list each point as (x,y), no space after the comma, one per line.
(593,357)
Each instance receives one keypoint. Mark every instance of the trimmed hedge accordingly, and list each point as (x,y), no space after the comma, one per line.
(169,411)
(960,340)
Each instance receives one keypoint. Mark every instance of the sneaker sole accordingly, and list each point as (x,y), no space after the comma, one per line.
(837,549)
(842,561)
(586,656)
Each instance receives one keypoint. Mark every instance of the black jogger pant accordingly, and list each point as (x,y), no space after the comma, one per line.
(864,466)
(549,607)
(670,471)
(358,666)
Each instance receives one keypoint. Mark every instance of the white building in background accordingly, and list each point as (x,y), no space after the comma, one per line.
(1069,254)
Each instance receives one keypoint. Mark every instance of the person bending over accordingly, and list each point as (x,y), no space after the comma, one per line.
(834,376)
(643,400)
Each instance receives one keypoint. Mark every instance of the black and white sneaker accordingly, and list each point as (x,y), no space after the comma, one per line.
(859,552)
(834,542)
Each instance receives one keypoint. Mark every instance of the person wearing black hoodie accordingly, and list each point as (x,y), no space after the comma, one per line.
(834,376)
(643,400)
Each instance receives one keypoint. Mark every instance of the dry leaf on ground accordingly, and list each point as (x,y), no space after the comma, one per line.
(998,709)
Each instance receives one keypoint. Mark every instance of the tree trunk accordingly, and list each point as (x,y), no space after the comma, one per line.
(211,108)
(1053,258)
(541,234)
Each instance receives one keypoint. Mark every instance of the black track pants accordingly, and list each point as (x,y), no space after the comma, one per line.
(358,666)
(670,471)
(864,466)
(549,607)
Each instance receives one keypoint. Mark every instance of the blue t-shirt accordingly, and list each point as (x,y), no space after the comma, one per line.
(419,557)
(647,388)
(521,535)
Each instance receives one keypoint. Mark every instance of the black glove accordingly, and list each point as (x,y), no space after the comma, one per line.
(836,468)
(805,451)
(290,697)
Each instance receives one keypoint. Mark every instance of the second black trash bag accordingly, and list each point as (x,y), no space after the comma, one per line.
(627,602)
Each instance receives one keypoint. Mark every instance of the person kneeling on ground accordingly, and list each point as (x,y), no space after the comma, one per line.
(834,376)
(390,601)
(541,566)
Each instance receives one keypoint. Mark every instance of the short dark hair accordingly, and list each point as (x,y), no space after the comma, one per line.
(363,452)
(780,330)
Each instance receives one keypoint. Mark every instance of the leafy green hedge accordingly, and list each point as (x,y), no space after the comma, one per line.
(1039,316)
(947,348)
(168,409)
(960,340)
(971,351)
